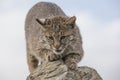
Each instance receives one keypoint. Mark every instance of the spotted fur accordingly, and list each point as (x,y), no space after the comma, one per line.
(52,36)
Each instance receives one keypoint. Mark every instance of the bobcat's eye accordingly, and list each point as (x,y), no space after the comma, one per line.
(50,37)
(63,37)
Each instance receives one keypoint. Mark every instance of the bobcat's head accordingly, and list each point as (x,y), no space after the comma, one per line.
(59,32)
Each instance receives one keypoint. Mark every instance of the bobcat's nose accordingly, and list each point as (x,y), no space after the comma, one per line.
(57,46)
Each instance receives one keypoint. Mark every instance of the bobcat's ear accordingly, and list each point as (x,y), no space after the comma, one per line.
(71,21)
(41,21)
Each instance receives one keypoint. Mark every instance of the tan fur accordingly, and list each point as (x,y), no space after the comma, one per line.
(51,35)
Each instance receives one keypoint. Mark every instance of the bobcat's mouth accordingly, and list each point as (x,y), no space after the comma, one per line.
(58,50)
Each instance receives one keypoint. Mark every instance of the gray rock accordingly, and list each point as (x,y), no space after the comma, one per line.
(57,70)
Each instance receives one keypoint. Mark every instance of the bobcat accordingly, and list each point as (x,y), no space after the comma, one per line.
(51,35)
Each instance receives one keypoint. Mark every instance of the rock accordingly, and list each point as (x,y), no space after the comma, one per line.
(57,70)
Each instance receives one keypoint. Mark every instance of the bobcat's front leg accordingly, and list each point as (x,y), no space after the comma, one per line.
(71,60)
(32,62)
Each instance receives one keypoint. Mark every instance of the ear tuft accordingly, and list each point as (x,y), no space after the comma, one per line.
(40,21)
(71,21)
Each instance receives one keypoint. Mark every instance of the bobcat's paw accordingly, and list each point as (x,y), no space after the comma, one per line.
(72,65)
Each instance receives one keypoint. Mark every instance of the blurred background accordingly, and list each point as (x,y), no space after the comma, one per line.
(99,23)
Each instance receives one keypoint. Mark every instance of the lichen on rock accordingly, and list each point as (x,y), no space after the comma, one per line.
(57,70)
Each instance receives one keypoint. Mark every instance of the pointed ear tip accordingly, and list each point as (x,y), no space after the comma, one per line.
(74,17)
